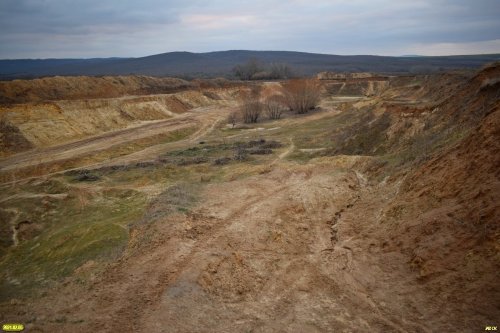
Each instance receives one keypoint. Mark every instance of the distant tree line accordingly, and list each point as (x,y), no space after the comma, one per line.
(254,69)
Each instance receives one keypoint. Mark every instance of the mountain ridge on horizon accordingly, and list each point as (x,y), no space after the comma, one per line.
(220,63)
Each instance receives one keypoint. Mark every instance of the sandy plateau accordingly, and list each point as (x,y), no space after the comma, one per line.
(141,210)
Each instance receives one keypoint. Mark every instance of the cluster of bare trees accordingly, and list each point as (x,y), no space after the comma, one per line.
(298,95)
(254,69)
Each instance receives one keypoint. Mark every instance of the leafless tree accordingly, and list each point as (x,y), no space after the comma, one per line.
(247,70)
(254,69)
(250,106)
(280,71)
(274,106)
(251,110)
(302,95)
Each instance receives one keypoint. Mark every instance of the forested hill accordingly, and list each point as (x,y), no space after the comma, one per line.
(221,64)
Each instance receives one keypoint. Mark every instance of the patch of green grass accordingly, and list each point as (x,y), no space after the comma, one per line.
(201,151)
(178,197)
(136,145)
(421,148)
(317,133)
(301,157)
(365,137)
(77,230)
(114,151)
(320,133)
(237,151)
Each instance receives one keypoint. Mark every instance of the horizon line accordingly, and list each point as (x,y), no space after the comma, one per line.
(242,50)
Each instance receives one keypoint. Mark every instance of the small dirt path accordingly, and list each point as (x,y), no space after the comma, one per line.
(284,154)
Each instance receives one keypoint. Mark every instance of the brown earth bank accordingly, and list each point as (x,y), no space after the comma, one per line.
(85,87)
(375,212)
(56,88)
(46,124)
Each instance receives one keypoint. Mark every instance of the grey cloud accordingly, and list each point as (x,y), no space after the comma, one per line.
(64,16)
(41,28)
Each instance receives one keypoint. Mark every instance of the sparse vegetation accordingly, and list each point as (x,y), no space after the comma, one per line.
(102,155)
(254,69)
(302,95)
(220,154)
(222,161)
(250,106)
(367,136)
(280,71)
(251,111)
(274,106)
(248,70)
(240,153)
(176,198)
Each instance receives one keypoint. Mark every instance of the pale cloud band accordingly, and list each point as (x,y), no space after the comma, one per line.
(437,49)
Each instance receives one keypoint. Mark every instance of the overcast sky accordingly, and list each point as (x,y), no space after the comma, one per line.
(123,28)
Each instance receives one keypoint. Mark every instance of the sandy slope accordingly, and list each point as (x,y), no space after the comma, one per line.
(52,154)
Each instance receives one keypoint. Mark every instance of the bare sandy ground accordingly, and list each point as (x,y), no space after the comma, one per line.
(296,249)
